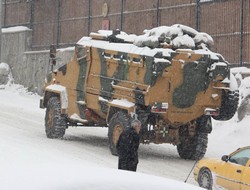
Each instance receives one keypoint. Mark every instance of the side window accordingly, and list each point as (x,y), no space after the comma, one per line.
(241,157)
(80,51)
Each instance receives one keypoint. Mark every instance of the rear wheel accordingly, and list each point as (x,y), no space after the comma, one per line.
(193,143)
(205,179)
(55,122)
(193,148)
(117,124)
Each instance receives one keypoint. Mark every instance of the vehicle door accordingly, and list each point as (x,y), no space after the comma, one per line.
(231,176)
(245,181)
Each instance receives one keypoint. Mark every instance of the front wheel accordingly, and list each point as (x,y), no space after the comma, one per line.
(205,179)
(55,122)
(117,124)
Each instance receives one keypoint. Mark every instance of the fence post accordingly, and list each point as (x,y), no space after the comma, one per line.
(0,31)
(158,13)
(58,23)
(89,17)
(241,31)
(31,14)
(122,9)
(5,13)
(198,13)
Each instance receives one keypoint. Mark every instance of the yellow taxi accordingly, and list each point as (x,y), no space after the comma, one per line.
(231,172)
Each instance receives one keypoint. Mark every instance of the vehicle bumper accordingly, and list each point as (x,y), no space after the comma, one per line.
(196,172)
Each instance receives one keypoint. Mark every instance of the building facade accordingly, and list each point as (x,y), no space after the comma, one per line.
(64,22)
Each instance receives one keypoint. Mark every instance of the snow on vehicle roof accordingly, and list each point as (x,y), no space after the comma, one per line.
(152,41)
(185,40)
(121,47)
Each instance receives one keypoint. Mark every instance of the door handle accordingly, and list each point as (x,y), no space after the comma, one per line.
(238,171)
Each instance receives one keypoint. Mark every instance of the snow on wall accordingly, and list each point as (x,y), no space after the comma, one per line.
(17,52)
(15,29)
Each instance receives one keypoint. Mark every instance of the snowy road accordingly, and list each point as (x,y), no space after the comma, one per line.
(23,141)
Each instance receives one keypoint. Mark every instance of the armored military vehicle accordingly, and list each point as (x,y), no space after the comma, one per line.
(168,78)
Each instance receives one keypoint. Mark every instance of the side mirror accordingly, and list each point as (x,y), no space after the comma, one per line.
(52,54)
(225,158)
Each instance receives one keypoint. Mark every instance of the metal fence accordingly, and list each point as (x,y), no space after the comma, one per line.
(64,22)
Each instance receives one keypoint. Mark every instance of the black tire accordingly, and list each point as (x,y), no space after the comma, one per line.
(229,105)
(117,124)
(194,147)
(55,122)
(205,179)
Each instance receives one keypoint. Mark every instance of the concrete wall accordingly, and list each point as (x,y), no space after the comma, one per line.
(29,68)
(14,44)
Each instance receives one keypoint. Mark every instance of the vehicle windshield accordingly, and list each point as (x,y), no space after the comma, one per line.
(241,157)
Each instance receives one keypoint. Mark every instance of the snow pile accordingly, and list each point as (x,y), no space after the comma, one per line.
(227,136)
(17,89)
(244,105)
(175,37)
(233,83)
(242,75)
(31,161)
(5,74)
(203,38)
(82,160)
(184,41)
(74,176)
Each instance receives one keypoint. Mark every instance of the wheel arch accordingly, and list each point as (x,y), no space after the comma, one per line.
(114,107)
(56,91)
(204,168)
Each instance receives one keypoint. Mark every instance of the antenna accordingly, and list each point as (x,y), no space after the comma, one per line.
(191,170)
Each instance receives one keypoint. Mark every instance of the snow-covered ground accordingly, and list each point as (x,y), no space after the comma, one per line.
(29,160)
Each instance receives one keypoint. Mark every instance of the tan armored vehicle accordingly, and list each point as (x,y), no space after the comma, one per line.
(167,78)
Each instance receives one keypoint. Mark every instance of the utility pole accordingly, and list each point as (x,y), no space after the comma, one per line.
(0,31)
